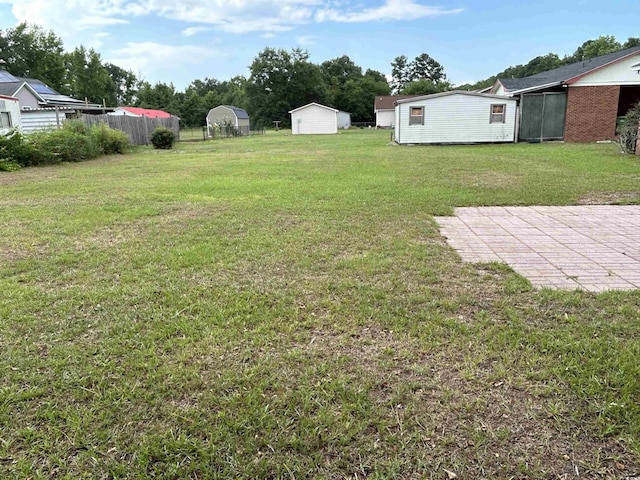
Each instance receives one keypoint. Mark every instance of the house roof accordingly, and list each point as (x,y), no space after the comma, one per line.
(313,104)
(146,112)
(9,88)
(6,77)
(388,102)
(566,74)
(450,93)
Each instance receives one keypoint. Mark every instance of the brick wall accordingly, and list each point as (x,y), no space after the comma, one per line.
(591,113)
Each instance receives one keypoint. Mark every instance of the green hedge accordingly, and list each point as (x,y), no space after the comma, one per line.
(74,142)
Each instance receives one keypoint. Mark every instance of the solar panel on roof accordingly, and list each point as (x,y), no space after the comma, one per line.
(7,77)
(42,88)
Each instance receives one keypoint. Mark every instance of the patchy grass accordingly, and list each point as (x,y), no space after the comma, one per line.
(283,306)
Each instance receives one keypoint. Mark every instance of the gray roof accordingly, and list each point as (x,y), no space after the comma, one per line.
(240,113)
(451,92)
(9,88)
(6,77)
(566,72)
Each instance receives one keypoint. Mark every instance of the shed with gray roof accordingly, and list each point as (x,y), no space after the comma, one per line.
(233,120)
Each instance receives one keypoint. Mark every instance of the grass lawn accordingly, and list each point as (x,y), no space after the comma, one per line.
(284,307)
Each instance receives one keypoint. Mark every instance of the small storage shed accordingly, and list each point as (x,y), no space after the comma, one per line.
(314,119)
(228,116)
(456,117)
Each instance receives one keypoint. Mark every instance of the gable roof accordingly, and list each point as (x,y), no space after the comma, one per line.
(566,74)
(313,104)
(9,88)
(387,102)
(146,112)
(502,98)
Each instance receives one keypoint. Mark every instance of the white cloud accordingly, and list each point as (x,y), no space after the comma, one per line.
(191,31)
(151,58)
(306,40)
(389,10)
(234,16)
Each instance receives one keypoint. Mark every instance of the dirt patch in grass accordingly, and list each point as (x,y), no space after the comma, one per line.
(609,198)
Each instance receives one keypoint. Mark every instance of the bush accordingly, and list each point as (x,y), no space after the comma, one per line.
(16,149)
(163,137)
(108,140)
(628,130)
(62,145)
(8,165)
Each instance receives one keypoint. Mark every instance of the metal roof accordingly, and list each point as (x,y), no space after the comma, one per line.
(567,72)
(316,104)
(240,113)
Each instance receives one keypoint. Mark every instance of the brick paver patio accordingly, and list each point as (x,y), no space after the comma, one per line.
(594,248)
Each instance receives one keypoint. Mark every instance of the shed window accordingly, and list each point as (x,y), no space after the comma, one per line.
(498,113)
(5,120)
(416,116)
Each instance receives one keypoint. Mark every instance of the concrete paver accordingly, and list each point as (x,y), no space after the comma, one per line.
(591,247)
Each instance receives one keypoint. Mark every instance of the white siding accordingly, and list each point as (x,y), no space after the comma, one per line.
(619,73)
(40,120)
(385,118)
(314,119)
(456,119)
(123,113)
(344,120)
(12,107)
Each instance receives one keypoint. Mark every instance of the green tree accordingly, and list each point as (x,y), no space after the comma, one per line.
(357,97)
(87,77)
(125,83)
(281,81)
(29,51)
(593,48)
(632,42)
(423,68)
(425,87)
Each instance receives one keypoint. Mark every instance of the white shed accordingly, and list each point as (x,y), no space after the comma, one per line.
(9,114)
(456,117)
(318,119)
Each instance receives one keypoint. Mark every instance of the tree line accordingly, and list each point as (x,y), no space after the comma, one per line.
(279,80)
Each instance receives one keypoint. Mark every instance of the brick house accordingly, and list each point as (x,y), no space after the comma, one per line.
(579,102)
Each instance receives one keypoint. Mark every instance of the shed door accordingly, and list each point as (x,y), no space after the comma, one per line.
(543,116)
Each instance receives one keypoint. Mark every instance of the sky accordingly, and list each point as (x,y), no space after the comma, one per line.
(174,41)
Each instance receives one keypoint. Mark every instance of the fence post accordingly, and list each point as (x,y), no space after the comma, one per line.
(638,141)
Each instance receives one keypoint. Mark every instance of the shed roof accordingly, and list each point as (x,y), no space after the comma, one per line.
(313,104)
(146,112)
(9,88)
(453,92)
(567,73)
(239,112)
(387,102)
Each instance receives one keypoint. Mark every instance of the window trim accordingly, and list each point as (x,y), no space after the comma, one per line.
(498,117)
(9,119)
(416,119)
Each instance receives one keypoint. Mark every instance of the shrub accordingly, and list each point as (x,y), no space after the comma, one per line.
(15,148)
(163,137)
(62,145)
(109,140)
(8,165)
(628,130)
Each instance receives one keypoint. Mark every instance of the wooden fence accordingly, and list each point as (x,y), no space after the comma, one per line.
(139,129)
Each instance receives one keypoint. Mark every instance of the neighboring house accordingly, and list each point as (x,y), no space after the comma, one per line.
(225,116)
(456,117)
(316,119)
(385,109)
(140,112)
(41,107)
(578,102)
(9,114)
